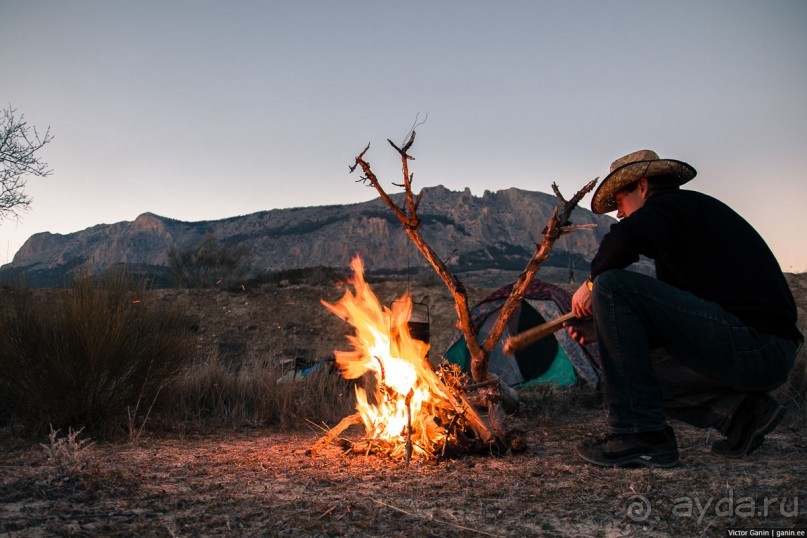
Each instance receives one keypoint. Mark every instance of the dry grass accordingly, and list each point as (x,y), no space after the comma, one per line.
(256,392)
(96,356)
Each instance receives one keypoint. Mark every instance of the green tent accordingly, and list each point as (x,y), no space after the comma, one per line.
(555,360)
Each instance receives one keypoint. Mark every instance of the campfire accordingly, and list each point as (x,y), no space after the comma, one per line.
(408,408)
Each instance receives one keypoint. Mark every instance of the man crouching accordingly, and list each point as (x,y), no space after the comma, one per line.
(703,342)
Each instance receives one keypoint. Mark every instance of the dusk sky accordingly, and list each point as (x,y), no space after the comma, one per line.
(201,110)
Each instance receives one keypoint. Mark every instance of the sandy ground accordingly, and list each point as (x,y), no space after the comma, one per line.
(260,482)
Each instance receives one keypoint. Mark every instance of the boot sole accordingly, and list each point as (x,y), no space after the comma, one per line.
(664,461)
(754,441)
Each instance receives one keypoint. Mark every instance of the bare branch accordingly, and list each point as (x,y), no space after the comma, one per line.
(558,225)
(391,143)
(411,225)
(19,145)
(558,194)
(573,228)
(551,234)
(411,141)
(569,206)
(373,180)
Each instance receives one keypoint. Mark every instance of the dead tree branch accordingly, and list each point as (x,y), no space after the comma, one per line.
(558,225)
(20,146)
(495,392)
(411,225)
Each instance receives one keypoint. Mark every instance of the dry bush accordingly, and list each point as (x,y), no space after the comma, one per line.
(87,359)
(66,456)
(258,391)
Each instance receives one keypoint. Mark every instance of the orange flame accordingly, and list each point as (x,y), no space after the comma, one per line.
(403,393)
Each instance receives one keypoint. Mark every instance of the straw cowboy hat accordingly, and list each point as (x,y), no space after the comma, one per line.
(631,168)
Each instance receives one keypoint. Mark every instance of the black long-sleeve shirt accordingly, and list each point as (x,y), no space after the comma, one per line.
(702,246)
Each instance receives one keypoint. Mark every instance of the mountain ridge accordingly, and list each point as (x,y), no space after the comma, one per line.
(495,231)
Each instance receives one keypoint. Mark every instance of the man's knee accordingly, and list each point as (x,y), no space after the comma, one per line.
(608,284)
(608,279)
(617,286)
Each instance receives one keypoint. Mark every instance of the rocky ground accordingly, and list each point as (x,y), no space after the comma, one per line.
(261,482)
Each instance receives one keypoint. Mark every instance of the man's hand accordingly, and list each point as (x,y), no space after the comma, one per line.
(582,331)
(581,302)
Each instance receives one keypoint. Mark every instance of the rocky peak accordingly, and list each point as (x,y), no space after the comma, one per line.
(149,222)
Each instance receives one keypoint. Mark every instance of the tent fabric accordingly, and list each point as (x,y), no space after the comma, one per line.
(556,360)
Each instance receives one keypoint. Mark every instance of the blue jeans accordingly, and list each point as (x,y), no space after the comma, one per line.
(667,352)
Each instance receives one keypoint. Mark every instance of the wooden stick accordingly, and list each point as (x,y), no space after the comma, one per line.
(518,342)
(325,440)
(409,425)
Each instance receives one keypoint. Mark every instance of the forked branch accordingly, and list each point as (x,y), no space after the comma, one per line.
(411,225)
(558,225)
(407,214)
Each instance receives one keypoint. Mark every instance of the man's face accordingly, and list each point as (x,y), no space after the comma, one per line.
(628,202)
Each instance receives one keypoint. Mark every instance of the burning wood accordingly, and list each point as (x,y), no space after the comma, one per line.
(407,407)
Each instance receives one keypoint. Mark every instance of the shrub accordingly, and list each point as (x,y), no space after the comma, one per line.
(66,456)
(102,349)
(258,391)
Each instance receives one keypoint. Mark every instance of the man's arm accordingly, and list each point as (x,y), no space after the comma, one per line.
(616,250)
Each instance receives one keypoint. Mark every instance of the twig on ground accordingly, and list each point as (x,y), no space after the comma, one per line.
(345,423)
(441,521)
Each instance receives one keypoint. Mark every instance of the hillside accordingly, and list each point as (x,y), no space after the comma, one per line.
(486,237)
(287,322)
